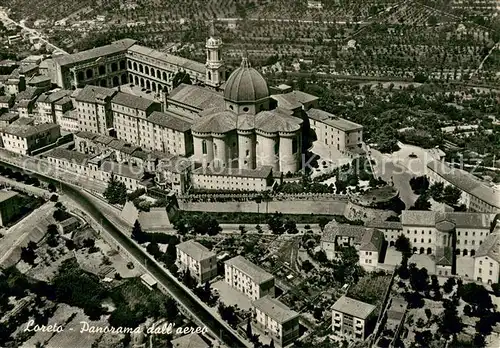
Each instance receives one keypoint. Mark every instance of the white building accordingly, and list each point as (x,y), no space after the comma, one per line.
(248,278)
(130,115)
(72,161)
(168,132)
(487,260)
(45,105)
(367,241)
(24,139)
(277,320)
(131,176)
(93,106)
(233,179)
(335,132)
(351,318)
(476,195)
(201,262)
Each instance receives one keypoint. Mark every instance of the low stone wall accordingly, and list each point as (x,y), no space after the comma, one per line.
(327,207)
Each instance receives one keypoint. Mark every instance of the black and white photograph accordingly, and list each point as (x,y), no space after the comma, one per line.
(250,174)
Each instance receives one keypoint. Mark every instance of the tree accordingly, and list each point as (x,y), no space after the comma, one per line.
(181,77)
(116,192)
(422,203)
(153,249)
(419,279)
(137,234)
(51,187)
(170,254)
(477,296)
(496,289)
(28,255)
(307,266)
(52,236)
(54,198)
(448,285)
(423,338)
(322,222)
(275,223)
(188,280)
(403,245)
(290,226)
(451,195)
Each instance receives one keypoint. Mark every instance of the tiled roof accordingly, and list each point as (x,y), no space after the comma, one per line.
(275,309)
(260,173)
(104,139)
(6,98)
(132,101)
(63,100)
(444,256)
(218,121)
(123,146)
(9,117)
(195,250)
(25,131)
(466,182)
(223,121)
(276,121)
(190,341)
(372,240)
(179,62)
(353,307)
(332,120)
(28,94)
(257,274)
(87,135)
(69,155)
(125,170)
(294,99)
(50,97)
(89,93)
(490,247)
(390,225)
(196,97)
(38,79)
(460,219)
(95,53)
(169,120)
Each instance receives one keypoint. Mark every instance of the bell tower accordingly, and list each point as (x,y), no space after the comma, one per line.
(215,69)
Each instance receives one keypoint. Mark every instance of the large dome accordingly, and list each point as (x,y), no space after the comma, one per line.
(245,85)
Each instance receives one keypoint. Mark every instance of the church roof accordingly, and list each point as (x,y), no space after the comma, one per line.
(245,85)
(196,97)
(274,121)
(217,121)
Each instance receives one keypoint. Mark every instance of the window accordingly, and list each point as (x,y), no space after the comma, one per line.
(480,270)
(204,147)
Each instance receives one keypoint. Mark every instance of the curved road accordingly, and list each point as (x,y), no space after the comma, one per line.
(186,299)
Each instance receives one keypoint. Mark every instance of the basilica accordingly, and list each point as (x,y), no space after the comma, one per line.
(245,133)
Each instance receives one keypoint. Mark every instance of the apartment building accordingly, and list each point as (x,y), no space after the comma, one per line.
(93,106)
(6,101)
(487,260)
(367,241)
(335,132)
(476,195)
(103,66)
(201,262)
(24,139)
(233,179)
(45,105)
(248,278)
(130,115)
(68,160)
(131,176)
(352,318)
(170,133)
(277,320)
(427,230)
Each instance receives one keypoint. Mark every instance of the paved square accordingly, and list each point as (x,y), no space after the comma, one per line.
(231,296)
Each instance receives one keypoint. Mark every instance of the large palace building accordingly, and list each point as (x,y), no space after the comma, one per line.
(125,61)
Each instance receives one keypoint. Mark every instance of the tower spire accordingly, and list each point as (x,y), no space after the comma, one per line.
(211,32)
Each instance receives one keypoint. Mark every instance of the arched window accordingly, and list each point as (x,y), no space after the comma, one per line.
(89,73)
(204,147)
(135,66)
(141,68)
(429,251)
(102,70)
(114,67)
(129,64)
(116,81)
(215,150)
(472,252)
(153,72)
(209,76)
(165,78)
(158,74)
(122,65)
(146,70)
(124,79)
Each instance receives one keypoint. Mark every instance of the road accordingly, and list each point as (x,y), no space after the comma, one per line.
(186,299)
(396,172)
(4,16)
